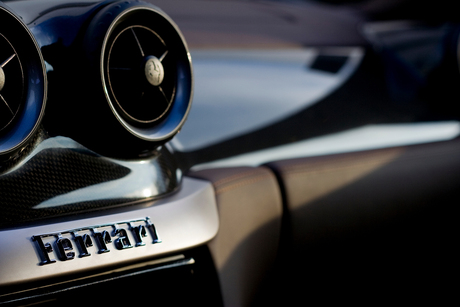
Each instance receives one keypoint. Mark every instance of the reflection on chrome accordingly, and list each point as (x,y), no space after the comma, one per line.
(362,138)
(141,182)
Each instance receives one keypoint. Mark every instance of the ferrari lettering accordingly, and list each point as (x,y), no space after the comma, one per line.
(123,241)
(67,244)
(102,239)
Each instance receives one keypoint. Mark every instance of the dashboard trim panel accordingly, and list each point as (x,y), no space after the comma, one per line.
(84,241)
(193,208)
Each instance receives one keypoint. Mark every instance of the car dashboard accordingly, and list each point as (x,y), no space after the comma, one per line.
(317,162)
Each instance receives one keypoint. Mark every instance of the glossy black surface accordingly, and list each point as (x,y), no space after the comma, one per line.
(179,281)
(59,30)
(128,68)
(408,74)
(54,174)
(76,42)
(60,177)
(23,86)
(404,81)
(401,72)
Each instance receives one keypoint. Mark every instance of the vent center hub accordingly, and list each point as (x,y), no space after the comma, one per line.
(2,79)
(154,71)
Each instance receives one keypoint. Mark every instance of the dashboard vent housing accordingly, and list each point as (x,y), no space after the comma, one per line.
(11,94)
(145,69)
(22,83)
(139,76)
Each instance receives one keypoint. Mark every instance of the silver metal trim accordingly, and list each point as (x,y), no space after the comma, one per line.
(112,107)
(184,220)
(7,60)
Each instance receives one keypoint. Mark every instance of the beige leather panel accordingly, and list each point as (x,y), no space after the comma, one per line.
(329,195)
(250,208)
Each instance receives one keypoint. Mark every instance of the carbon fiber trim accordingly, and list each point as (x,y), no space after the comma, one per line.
(59,181)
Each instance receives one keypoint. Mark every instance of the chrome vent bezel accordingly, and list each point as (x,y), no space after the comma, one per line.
(31,105)
(169,122)
(166,97)
(10,62)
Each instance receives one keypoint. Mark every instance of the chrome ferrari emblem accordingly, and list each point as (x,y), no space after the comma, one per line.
(104,236)
(154,71)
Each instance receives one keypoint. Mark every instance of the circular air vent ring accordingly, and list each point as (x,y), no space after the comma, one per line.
(23,85)
(136,38)
(11,83)
(142,87)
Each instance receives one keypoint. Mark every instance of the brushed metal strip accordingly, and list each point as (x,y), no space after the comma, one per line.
(184,220)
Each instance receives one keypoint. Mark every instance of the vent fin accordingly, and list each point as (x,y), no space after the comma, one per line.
(145,68)
(11,83)
(22,84)
(140,78)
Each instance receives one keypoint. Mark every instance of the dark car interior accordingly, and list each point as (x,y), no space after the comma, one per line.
(116,188)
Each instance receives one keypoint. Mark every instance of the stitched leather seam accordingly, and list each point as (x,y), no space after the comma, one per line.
(345,163)
(249,173)
(411,157)
(242,183)
(301,171)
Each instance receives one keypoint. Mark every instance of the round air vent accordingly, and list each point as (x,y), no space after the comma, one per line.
(140,77)
(145,69)
(11,70)
(22,83)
